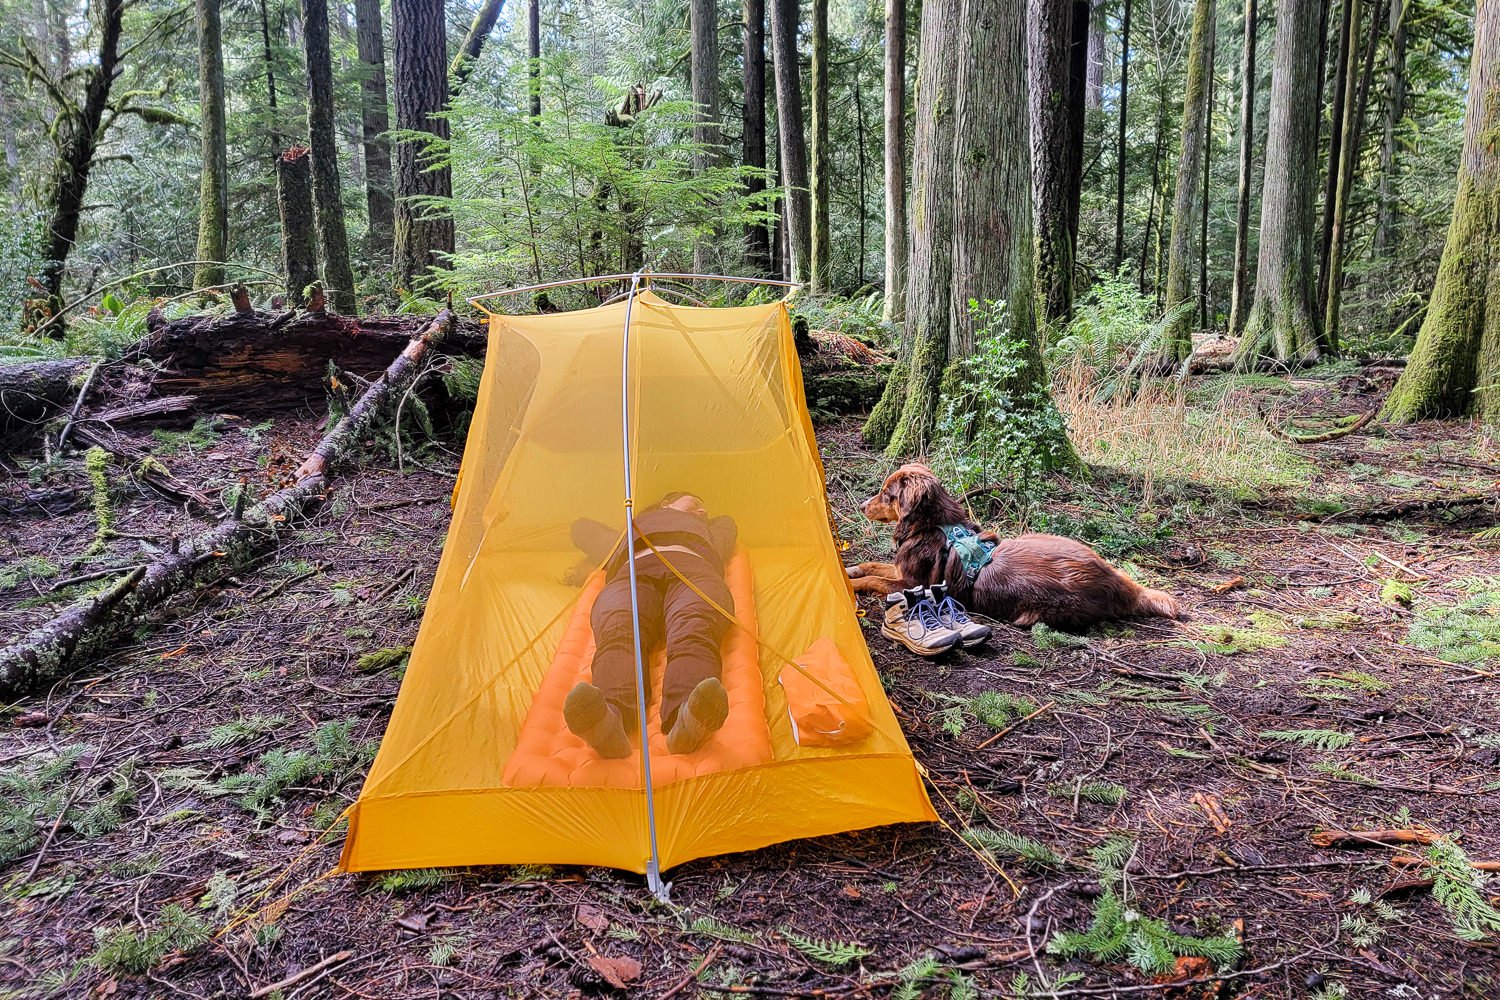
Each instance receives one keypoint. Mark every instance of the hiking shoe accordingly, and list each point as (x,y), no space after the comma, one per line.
(912,620)
(701,716)
(595,721)
(953,616)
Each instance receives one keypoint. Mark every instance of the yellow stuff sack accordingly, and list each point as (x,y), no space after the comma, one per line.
(824,700)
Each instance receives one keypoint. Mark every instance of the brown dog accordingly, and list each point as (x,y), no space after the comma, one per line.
(1028,579)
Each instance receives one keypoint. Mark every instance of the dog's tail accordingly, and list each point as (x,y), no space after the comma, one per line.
(1157,603)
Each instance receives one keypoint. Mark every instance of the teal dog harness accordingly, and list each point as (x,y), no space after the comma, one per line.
(973,552)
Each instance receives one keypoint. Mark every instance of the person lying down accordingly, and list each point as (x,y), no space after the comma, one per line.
(694,703)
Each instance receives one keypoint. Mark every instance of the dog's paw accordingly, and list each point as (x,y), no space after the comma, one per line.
(854,572)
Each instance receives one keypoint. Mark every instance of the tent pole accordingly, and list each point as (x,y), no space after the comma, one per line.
(658,888)
(479,300)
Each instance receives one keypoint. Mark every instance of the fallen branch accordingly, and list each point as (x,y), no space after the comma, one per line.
(87,628)
(1333,435)
(1347,839)
(1417,505)
(302,974)
(83,394)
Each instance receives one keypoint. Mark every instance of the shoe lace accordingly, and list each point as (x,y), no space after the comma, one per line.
(927,614)
(953,611)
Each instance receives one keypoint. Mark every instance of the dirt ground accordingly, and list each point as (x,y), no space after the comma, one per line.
(1309,609)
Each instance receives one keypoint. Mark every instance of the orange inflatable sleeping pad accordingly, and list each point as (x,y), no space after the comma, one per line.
(547,753)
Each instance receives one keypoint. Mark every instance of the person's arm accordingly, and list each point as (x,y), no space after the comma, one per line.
(597,541)
(724,533)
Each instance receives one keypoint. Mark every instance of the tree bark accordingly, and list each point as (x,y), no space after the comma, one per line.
(87,628)
(793,137)
(903,418)
(473,44)
(821,192)
(534,56)
(213,182)
(375,117)
(1388,211)
(1352,127)
(30,390)
(1093,98)
(1057,48)
(757,235)
(1208,154)
(299,257)
(1120,143)
(1455,367)
(703,17)
(1239,292)
(328,206)
(1283,320)
(1177,341)
(81,130)
(894,309)
(1342,81)
(424,233)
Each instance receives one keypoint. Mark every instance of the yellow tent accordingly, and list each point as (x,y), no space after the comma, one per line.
(478,766)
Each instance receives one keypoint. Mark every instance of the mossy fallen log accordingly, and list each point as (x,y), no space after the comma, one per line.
(88,627)
(31,390)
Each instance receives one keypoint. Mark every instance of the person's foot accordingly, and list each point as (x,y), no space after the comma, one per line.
(595,721)
(701,716)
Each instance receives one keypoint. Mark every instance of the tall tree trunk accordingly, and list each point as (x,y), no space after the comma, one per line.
(1351,144)
(1283,321)
(82,132)
(1120,144)
(294,199)
(1056,46)
(534,56)
(1203,202)
(1144,279)
(1177,342)
(758,234)
(328,206)
(270,65)
(1455,367)
(821,242)
(793,146)
(1239,293)
(861,169)
(1093,98)
(1342,81)
(894,310)
(424,234)
(704,23)
(1386,233)
(213,182)
(374,110)
(903,417)
(473,44)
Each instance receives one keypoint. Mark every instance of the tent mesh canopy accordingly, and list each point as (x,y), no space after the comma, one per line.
(478,765)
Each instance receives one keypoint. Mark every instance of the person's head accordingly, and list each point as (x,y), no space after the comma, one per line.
(688,503)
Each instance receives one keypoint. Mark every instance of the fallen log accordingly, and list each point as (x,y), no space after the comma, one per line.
(32,389)
(255,361)
(88,627)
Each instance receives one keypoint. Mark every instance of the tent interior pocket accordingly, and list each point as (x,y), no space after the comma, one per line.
(824,699)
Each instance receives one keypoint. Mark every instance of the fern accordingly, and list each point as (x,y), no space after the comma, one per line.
(227,734)
(1110,856)
(1316,739)
(1145,942)
(1456,885)
(832,953)
(1005,844)
(709,927)
(413,880)
(911,977)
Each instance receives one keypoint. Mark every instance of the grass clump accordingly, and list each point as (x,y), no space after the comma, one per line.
(121,949)
(1465,632)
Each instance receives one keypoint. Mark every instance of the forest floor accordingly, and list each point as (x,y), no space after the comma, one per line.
(157,793)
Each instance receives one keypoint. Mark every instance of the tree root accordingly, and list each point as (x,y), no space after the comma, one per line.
(1283,434)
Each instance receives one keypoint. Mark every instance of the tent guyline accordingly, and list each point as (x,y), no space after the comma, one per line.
(702,688)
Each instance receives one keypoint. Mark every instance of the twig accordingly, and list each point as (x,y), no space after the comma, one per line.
(98,574)
(300,975)
(697,971)
(62,436)
(1013,725)
(1285,435)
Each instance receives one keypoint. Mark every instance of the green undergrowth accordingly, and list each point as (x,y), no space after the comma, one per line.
(1467,631)
(35,791)
(138,951)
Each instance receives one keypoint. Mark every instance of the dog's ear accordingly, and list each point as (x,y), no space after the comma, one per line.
(917,494)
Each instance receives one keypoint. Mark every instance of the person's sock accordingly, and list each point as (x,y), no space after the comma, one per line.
(595,721)
(701,716)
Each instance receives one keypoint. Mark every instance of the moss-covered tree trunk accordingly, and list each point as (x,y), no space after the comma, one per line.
(1283,320)
(1177,340)
(328,205)
(905,414)
(894,309)
(375,121)
(213,182)
(1057,42)
(792,158)
(473,44)
(1455,367)
(1239,295)
(299,255)
(821,179)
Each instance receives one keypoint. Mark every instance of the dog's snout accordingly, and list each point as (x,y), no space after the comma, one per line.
(864,508)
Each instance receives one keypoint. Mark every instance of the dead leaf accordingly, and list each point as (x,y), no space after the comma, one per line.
(591,918)
(852,891)
(415,921)
(618,972)
(1230,584)
(107,988)
(291,836)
